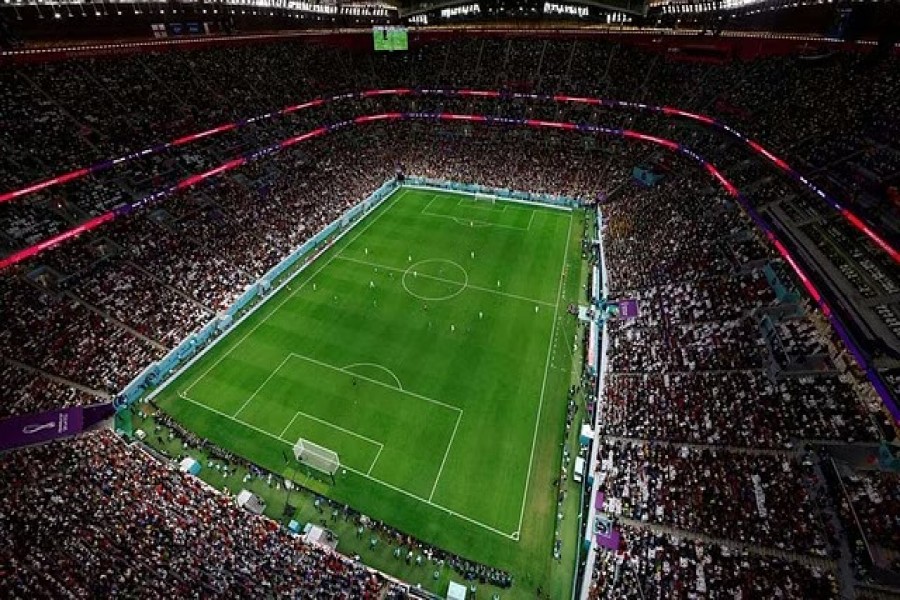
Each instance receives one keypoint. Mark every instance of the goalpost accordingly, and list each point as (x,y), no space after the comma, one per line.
(489,198)
(317,457)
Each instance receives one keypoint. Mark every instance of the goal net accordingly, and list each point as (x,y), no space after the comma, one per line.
(318,457)
(489,198)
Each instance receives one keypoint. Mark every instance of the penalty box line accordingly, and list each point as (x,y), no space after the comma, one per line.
(510,536)
(464,220)
(459,411)
(345,371)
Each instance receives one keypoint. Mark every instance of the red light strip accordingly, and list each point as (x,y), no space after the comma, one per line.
(27,253)
(381,117)
(479,93)
(555,124)
(650,138)
(860,225)
(312,103)
(42,185)
(810,288)
(577,99)
(394,92)
(729,187)
(667,110)
(198,136)
(455,117)
(302,138)
(772,158)
(195,179)
(683,113)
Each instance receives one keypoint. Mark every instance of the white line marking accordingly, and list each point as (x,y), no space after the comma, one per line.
(433,198)
(531,203)
(471,202)
(261,386)
(537,420)
(394,199)
(468,222)
(468,286)
(446,454)
(449,511)
(339,428)
(377,366)
(372,466)
(376,382)
(288,426)
(413,269)
(509,536)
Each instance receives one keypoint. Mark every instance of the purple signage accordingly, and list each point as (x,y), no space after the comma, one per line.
(628,309)
(40,427)
(607,535)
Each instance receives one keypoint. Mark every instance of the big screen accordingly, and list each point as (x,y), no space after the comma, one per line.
(390,38)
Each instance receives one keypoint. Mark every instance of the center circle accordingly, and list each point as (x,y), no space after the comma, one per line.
(412,273)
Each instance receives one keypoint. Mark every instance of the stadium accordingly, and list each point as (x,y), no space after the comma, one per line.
(450,300)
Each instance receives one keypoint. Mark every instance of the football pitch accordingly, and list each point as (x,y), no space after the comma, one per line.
(430,348)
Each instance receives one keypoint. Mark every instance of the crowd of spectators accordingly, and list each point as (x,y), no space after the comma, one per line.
(659,565)
(691,369)
(29,392)
(698,433)
(873,501)
(757,499)
(57,334)
(151,98)
(114,521)
(737,408)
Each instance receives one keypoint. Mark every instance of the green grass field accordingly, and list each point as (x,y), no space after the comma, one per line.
(431,349)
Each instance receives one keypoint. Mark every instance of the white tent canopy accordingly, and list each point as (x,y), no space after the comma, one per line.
(457,591)
(250,501)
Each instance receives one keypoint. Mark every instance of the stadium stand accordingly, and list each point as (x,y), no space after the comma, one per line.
(118,522)
(718,399)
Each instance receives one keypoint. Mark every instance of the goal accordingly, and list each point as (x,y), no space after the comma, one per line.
(489,198)
(317,457)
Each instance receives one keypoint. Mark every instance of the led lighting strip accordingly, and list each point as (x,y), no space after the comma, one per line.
(848,215)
